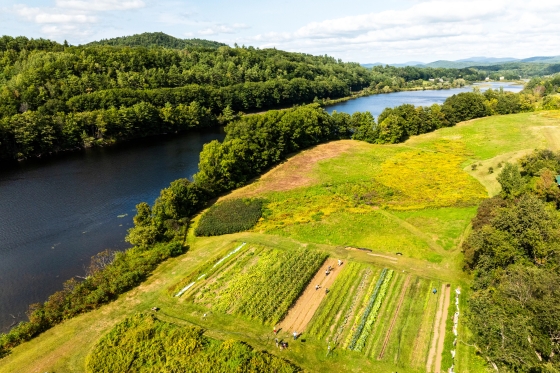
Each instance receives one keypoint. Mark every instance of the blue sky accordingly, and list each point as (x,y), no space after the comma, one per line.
(353,30)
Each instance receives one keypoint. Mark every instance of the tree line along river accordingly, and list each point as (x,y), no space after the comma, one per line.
(56,213)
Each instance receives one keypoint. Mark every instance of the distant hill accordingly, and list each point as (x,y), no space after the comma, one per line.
(472,62)
(156,39)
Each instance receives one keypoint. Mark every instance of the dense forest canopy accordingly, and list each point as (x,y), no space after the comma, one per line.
(513,250)
(56,97)
(157,39)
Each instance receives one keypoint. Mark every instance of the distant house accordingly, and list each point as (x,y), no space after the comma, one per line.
(487,79)
(440,80)
(502,78)
(432,80)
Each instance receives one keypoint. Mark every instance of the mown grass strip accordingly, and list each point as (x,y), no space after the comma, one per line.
(422,340)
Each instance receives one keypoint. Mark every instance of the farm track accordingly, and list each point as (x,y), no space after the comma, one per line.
(300,314)
(439,353)
(435,332)
(395,316)
(422,340)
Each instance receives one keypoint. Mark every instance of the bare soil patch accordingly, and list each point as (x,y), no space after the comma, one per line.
(295,172)
(395,316)
(442,329)
(301,313)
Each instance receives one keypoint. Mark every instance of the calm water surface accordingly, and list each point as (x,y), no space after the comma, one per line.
(56,213)
(375,104)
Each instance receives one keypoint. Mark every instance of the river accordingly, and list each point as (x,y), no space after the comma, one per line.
(375,104)
(56,213)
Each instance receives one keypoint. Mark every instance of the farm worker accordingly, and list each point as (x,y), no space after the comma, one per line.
(295,336)
(276,340)
(274,330)
(316,287)
(434,291)
(326,290)
(329,268)
(327,272)
(339,262)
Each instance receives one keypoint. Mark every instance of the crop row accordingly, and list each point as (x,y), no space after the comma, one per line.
(266,288)
(212,285)
(330,307)
(373,313)
(355,301)
(368,309)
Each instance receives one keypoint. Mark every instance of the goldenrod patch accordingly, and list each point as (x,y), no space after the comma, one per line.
(430,178)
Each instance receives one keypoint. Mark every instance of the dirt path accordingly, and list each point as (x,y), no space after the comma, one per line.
(435,333)
(301,313)
(296,172)
(439,351)
(395,316)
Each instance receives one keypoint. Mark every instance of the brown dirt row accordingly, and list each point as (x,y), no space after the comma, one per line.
(435,333)
(301,313)
(441,341)
(395,316)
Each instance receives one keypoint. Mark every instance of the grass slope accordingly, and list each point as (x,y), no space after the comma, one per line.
(346,199)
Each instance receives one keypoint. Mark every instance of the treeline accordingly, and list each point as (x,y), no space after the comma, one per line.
(54,97)
(514,252)
(157,39)
(252,145)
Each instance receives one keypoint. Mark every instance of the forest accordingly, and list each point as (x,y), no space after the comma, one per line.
(56,97)
(514,311)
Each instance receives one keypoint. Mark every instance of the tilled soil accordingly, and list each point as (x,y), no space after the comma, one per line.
(301,313)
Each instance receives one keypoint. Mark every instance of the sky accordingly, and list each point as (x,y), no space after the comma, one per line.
(361,31)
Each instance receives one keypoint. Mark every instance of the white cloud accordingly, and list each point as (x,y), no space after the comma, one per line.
(454,29)
(40,16)
(72,17)
(100,5)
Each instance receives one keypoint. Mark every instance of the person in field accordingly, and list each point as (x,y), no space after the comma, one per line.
(295,335)
(339,262)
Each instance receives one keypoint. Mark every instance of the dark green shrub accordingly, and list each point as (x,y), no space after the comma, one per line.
(231,216)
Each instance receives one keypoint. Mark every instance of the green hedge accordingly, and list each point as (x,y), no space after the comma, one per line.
(231,216)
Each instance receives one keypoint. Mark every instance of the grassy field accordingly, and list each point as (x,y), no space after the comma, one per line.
(415,199)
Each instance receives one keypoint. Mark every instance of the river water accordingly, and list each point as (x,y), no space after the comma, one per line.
(375,104)
(56,213)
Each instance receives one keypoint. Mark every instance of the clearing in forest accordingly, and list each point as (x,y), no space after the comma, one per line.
(301,313)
